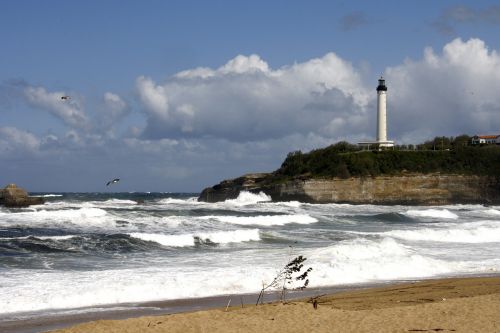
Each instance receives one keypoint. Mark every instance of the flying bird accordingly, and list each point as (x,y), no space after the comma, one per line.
(65,97)
(114,181)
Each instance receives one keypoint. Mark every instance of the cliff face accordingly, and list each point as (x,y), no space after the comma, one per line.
(412,189)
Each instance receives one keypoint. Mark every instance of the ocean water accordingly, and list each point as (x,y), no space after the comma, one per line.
(84,251)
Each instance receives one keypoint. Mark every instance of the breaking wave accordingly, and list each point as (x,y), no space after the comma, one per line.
(248,198)
(467,234)
(220,237)
(264,220)
(434,213)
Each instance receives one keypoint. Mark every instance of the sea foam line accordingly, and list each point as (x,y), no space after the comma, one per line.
(477,235)
(435,213)
(264,220)
(183,240)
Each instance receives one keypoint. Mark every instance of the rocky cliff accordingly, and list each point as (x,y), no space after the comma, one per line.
(13,196)
(408,189)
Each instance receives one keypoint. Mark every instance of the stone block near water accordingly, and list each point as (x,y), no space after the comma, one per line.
(13,196)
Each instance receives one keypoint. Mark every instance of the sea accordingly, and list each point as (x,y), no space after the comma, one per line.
(83,252)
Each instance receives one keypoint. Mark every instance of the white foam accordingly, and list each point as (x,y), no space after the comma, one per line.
(492,211)
(56,238)
(56,215)
(166,240)
(248,198)
(81,218)
(363,260)
(434,213)
(32,290)
(120,202)
(70,214)
(264,220)
(187,201)
(221,274)
(49,195)
(235,236)
(219,237)
(112,203)
(480,234)
(293,204)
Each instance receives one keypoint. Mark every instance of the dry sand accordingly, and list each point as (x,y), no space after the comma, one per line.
(448,305)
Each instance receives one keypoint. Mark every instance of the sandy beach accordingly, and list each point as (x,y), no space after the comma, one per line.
(446,305)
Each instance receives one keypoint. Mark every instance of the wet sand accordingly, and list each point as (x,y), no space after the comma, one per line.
(445,305)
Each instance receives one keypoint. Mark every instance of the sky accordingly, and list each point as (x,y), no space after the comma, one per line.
(175,96)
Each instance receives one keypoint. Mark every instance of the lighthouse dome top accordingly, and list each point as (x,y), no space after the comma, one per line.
(381,84)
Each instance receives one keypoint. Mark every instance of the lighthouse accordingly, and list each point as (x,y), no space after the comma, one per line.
(382,115)
(381,141)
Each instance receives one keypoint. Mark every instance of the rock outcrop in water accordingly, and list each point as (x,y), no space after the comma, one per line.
(13,196)
(407,189)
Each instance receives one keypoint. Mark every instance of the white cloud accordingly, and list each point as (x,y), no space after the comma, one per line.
(238,65)
(450,93)
(446,93)
(112,111)
(70,111)
(245,100)
(13,139)
(115,104)
(241,64)
(154,98)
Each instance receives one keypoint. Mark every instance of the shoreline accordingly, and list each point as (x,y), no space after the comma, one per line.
(191,307)
(59,319)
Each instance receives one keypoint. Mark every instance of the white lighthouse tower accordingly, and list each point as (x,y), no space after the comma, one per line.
(382,115)
(381,141)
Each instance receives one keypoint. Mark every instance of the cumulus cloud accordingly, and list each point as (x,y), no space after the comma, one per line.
(115,105)
(245,100)
(69,111)
(15,140)
(447,93)
(460,14)
(444,93)
(111,111)
(153,97)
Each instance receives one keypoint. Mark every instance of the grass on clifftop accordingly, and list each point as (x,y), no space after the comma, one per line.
(345,160)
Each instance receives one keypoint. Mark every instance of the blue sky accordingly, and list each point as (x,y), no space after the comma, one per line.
(178,95)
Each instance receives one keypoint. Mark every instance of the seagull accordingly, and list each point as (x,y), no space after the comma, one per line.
(116,180)
(65,97)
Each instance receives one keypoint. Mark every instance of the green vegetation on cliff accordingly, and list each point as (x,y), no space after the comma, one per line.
(439,155)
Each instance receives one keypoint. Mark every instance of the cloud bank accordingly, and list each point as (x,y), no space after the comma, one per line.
(446,93)
(205,124)
(245,100)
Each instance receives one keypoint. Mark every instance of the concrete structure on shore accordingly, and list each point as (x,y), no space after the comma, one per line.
(382,141)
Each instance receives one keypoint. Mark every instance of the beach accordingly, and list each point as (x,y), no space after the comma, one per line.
(442,305)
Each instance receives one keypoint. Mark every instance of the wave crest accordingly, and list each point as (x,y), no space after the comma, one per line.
(434,213)
(248,198)
(218,237)
(264,220)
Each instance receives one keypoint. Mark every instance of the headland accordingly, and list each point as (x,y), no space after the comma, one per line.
(342,173)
